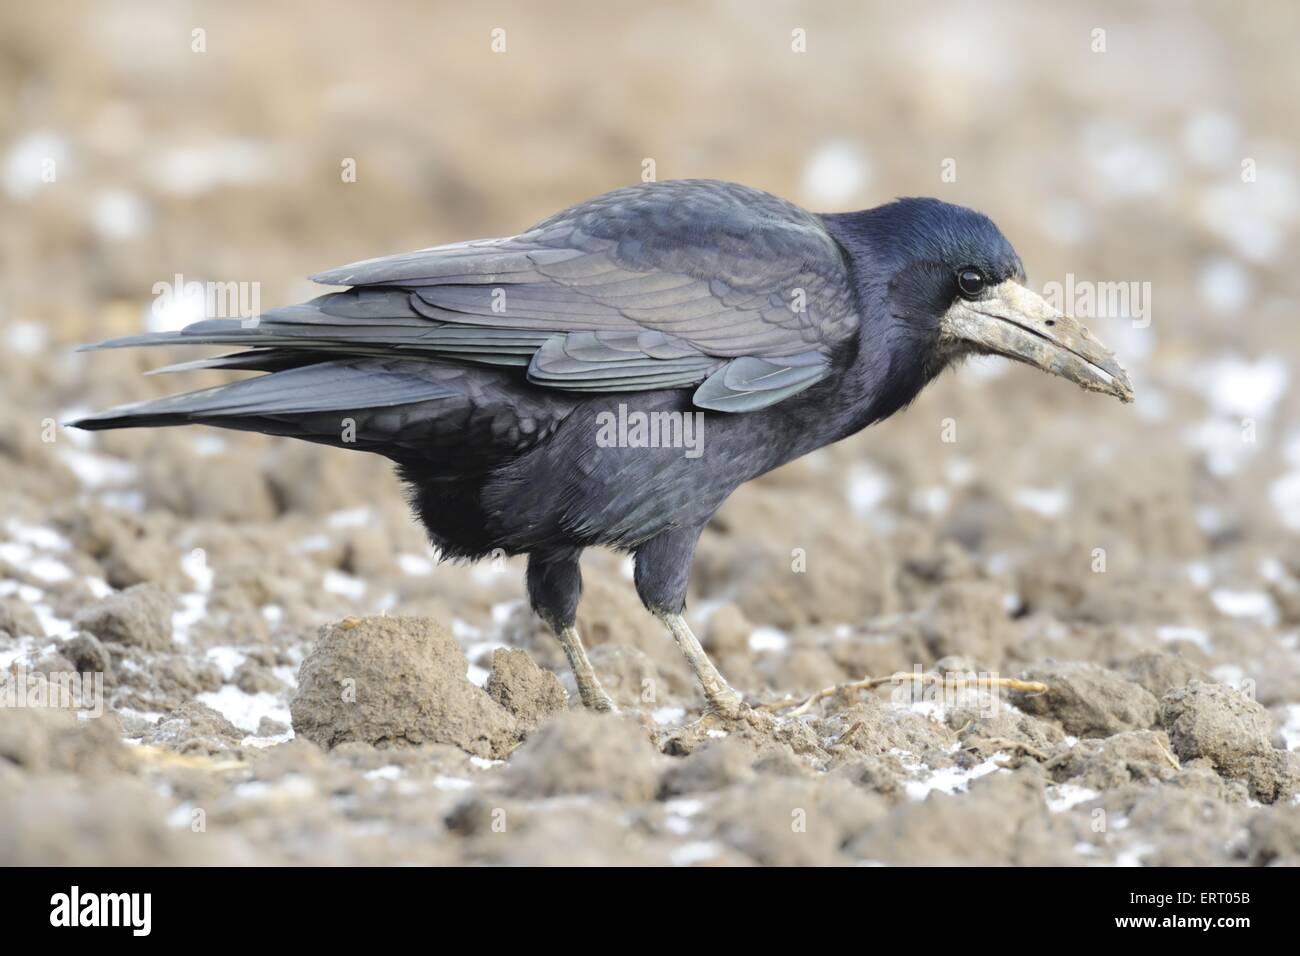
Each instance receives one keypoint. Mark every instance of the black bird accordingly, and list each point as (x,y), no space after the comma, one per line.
(536,391)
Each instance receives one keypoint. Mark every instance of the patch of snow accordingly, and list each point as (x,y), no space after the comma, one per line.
(1252,604)
(95,470)
(119,214)
(1047,502)
(312,544)
(501,612)
(350,518)
(1238,388)
(1176,632)
(245,710)
(1133,855)
(28,159)
(697,851)
(1290,728)
(668,716)
(98,587)
(227,659)
(929,501)
(1200,574)
(26,338)
(414,564)
(337,582)
(952,779)
(49,570)
(54,625)
(205,446)
(1063,796)
(868,488)
(261,743)
(768,639)
(1284,493)
(47,539)
(195,565)
(684,806)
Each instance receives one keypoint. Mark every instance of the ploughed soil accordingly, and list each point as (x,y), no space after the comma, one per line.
(276,667)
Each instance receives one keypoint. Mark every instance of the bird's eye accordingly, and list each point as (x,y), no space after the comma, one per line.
(970,283)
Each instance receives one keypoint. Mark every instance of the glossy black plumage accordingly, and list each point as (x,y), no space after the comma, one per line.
(483,368)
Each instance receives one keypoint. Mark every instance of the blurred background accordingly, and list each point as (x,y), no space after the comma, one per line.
(1151,145)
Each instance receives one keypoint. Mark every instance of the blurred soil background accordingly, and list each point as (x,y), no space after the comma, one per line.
(1142,560)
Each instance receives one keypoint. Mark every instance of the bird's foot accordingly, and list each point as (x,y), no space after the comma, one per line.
(738,717)
(595,699)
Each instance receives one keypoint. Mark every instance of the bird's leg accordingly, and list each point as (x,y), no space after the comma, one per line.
(589,689)
(554,586)
(661,572)
(721,697)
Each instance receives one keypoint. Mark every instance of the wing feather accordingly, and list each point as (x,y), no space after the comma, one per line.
(663,285)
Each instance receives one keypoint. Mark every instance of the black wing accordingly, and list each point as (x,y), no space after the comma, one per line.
(663,285)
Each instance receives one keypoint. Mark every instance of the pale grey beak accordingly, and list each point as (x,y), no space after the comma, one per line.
(1011,320)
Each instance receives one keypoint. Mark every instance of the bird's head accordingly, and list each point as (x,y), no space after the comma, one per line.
(956,282)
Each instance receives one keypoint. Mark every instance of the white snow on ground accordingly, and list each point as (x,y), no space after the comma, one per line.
(1133,855)
(245,710)
(54,625)
(948,779)
(1194,635)
(94,470)
(414,564)
(697,851)
(1066,795)
(1284,493)
(668,716)
(868,489)
(350,518)
(337,582)
(1047,502)
(292,786)
(1200,574)
(1237,388)
(227,659)
(1290,728)
(768,639)
(1253,604)
(193,604)
(47,539)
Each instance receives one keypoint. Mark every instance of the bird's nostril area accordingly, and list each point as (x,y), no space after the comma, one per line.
(1051,321)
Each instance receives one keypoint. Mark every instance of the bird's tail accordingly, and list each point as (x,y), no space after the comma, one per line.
(352,402)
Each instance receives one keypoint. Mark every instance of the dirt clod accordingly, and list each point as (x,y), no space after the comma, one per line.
(140,616)
(392,681)
(524,689)
(1090,701)
(581,752)
(1230,730)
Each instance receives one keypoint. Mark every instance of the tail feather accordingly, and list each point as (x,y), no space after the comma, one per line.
(334,386)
